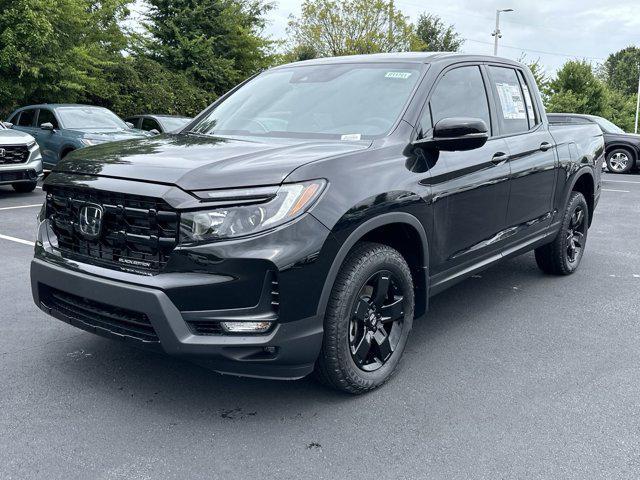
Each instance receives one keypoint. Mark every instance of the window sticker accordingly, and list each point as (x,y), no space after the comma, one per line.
(351,137)
(512,102)
(398,75)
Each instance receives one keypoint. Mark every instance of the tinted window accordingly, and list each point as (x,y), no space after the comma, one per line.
(134,121)
(511,107)
(460,93)
(26,118)
(46,116)
(149,124)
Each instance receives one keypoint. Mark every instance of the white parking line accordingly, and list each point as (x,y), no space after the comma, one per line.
(612,190)
(21,206)
(620,181)
(17,240)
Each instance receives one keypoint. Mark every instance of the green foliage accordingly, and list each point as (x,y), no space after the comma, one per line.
(435,36)
(621,70)
(576,89)
(350,27)
(55,51)
(216,43)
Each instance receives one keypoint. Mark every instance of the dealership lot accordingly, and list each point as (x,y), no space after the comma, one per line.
(511,374)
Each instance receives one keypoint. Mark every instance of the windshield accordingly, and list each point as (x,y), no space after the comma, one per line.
(347,101)
(608,127)
(173,123)
(83,118)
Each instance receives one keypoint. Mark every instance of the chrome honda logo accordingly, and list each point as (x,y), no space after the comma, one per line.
(3,152)
(91,221)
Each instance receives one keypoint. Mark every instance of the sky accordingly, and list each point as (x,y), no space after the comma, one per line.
(552,30)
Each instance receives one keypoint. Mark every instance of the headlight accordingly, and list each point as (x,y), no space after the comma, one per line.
(88,143)
(269,207)
(31,144)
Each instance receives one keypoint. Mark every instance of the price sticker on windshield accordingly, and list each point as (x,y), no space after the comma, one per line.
(398,75)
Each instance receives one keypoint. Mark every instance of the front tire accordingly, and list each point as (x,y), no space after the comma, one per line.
(368,319)
(24,187)
(620,160)
(563,255)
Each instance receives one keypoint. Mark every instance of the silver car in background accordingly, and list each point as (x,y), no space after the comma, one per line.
(20,159)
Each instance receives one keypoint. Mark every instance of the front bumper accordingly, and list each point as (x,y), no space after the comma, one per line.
(30,171)
(208,283)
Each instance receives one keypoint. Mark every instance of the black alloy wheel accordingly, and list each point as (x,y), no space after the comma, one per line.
(376,322)
(576,234)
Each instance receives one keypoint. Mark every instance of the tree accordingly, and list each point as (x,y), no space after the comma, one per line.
(350,27)
(217,43)
(55,51)
(621,70)
(435,36)
(576,89)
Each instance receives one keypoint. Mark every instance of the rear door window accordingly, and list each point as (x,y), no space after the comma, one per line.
(510,99)
(27,118)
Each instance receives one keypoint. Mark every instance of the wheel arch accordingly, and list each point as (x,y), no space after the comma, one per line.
(584,182)
(387,229)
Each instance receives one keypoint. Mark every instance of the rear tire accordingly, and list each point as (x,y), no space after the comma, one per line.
(563,255)
(620,160)
(362,342)
(24,187)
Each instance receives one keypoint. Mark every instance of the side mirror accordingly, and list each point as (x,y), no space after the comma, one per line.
(129,124)
(8,124)
(458,134)
(154,131)
(47,126)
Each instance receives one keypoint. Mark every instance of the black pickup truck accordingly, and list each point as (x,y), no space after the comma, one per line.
(302,222)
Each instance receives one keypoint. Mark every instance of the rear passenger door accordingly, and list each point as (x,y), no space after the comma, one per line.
(26,122)
(532,152)
(470,188)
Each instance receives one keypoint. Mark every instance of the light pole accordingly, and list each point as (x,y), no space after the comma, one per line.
(497,34)
(638,103)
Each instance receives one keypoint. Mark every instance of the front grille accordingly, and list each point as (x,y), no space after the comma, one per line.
(101,316)
(138,233)
(14,154)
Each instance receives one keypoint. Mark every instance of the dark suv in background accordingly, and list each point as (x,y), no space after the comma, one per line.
(302,222)
(622,149)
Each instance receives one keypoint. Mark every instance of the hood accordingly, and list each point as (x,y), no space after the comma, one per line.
(14,137)
(200,162)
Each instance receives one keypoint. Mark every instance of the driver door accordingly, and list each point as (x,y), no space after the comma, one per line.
(470,188)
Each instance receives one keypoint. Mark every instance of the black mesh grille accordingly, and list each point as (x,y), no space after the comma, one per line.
(138,233)
(115,320)
(11,155)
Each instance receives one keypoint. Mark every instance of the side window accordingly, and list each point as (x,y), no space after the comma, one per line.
(534,118)
(27,118)
(47,116)
(134,121)
(459,93)
(512,111)
(149,124)
(14,118)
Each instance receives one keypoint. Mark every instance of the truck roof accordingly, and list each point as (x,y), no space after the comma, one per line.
(402,57)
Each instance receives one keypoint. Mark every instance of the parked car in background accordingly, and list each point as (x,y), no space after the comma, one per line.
(158,123)
(622,149)
(62,128)
(20,159)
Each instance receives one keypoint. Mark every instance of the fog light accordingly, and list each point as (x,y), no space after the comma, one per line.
(246,327)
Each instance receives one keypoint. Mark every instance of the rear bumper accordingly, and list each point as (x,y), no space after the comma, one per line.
(289,351)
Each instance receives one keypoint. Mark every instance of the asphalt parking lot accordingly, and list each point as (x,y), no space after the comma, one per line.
(513,374)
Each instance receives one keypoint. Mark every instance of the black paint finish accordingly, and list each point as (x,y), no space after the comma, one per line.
(450,213)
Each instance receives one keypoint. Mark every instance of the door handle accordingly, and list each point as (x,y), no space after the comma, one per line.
(545,146)
(500,158)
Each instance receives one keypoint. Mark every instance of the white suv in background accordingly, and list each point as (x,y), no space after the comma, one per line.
(20,159)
